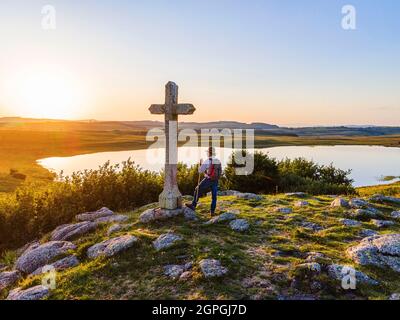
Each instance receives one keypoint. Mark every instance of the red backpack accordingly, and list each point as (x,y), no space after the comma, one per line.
(214,171)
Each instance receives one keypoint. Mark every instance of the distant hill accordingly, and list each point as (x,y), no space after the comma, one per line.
(261,128)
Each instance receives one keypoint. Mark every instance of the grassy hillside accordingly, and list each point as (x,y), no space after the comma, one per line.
(263,262)
(392,189)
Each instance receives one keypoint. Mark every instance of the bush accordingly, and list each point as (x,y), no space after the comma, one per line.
(33,211)
(304,175)
(264,178)
(17,175)
(187,178)
(296,175)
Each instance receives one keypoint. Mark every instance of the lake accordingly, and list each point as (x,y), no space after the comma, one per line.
(368,163)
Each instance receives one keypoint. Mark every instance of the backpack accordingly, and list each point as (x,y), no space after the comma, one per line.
(214,171)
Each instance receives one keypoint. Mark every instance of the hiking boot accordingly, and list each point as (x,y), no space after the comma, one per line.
(190,206)
(212,214)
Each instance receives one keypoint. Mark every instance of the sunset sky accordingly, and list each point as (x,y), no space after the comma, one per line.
(283,62)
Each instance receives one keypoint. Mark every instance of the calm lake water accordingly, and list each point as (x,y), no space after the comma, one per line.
(368,163)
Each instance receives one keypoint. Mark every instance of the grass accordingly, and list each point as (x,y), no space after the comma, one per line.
(21,147)
(263,262)
(392,189)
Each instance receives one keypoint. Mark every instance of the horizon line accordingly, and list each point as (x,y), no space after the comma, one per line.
(292,125)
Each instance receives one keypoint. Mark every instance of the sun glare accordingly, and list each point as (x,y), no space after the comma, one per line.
(46,94)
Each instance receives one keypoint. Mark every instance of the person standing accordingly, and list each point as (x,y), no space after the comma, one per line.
(212,170)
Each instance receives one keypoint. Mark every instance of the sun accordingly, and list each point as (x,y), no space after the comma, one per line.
(46,93)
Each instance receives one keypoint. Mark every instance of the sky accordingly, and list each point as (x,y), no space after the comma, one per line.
(286,62)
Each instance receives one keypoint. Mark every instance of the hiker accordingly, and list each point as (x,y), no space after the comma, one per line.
(212,171)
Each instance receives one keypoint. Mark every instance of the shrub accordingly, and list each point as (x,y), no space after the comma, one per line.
(305,175)
(263,179)
(289,175)
(17,175)
(8,258)
(187,178)
(32,210)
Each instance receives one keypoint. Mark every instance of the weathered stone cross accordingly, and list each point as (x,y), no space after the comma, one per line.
(171,197)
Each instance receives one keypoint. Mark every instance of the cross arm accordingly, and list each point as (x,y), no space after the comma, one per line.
(184,108)
(157,109)
(181,108)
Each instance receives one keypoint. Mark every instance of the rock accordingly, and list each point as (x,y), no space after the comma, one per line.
(335,272)
(301,203)
(9,278)
(239,225)
(37,256)
(189,214)
(228,193)
(256,282)
(188,266)
(311,226)
(25,247)
(62,264)
(159,214)
(380,250)
(367,233)
(382,223)
(284,210)
(226,216)
(350,223)
(381,199)
(173,270)
(364,213)
(249,196)
(176,270)
(113,218)
(166,240)
(72,231)
(339,203)
(310,266)
(296,194)
(185,276)
(91,216)
(147,216)
(314,256)
(357,203)
(395,214)
(34,293)
(114,228)
(111,247)
(373,210)
(395,296)
(212,268)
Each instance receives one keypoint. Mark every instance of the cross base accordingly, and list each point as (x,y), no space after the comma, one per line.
(170,199)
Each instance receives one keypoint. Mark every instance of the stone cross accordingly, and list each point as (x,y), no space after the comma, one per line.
(171,198)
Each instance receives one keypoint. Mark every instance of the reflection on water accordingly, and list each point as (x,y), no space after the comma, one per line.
(368,163)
